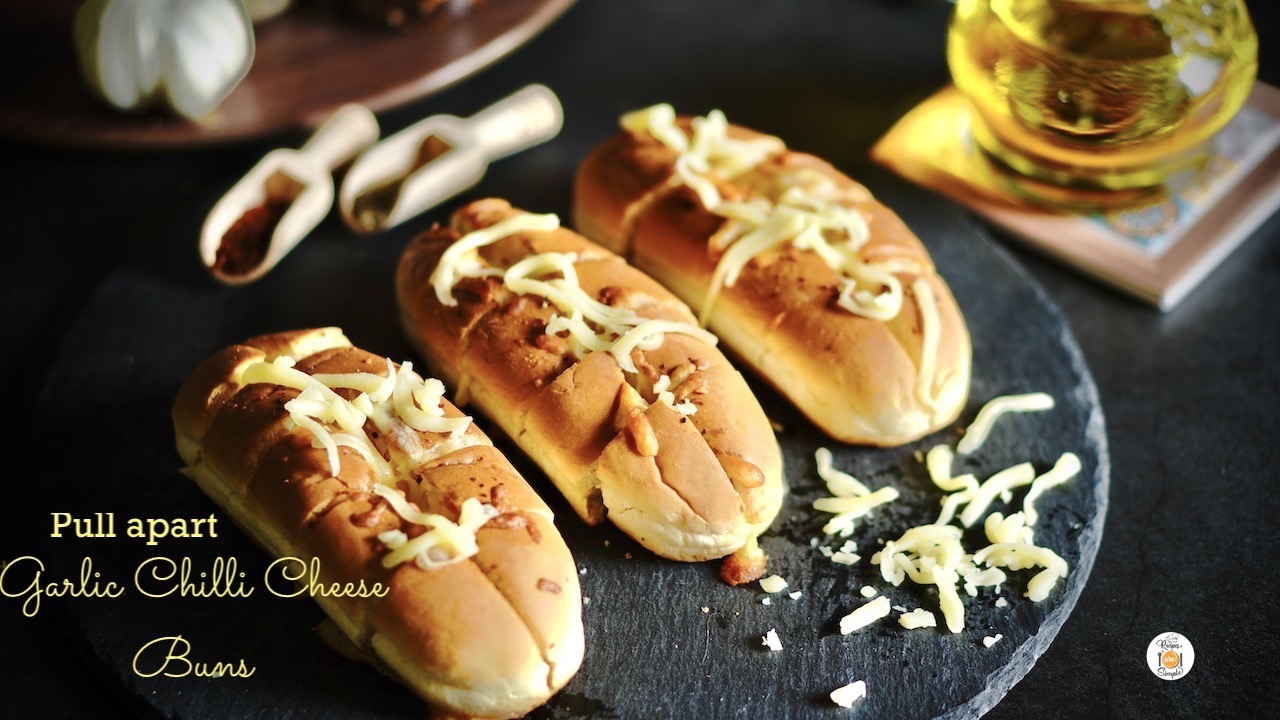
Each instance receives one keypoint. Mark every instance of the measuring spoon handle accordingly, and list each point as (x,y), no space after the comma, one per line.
(343,135)
(521,120)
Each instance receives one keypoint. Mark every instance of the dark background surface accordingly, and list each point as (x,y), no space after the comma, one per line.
(1192,398)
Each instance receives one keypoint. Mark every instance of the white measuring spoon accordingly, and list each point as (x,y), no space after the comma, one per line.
(277,203)
(441,156)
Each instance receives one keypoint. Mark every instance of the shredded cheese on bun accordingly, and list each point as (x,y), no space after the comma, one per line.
(399,405)
(930,326)
(462,259)
(443,542)
(805,212)
(592,326)
(662,391)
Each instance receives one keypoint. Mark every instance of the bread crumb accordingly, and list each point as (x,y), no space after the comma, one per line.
(746,564)
(766,601)
(992,640)
(868,591)
(795,595)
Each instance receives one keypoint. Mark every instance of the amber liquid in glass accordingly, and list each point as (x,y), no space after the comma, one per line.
(1086,98)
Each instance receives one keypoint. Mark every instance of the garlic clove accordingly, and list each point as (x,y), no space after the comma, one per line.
(211,47)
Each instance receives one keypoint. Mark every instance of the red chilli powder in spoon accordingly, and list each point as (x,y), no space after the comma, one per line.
(245,243)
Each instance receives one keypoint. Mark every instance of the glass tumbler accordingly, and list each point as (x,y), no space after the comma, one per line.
(1099,100)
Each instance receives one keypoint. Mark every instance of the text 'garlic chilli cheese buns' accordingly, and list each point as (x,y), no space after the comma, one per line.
(601,376)
(823,291)
(324,452)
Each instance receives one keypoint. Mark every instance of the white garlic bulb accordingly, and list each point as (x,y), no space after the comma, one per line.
(186,55)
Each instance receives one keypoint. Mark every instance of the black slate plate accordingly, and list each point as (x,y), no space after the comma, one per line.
(652,651)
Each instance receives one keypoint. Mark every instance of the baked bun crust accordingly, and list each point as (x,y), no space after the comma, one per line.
(492,635)
(855,377)
(689,487)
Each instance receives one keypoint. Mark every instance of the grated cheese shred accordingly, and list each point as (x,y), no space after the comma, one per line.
(1066,468)
(771,640)
(1003,481)
(662,390)
(928,555)
(866,614)
(939,462)
(443,543)
(977,432)
(847,695)
(850,500)
(918,618)
(773,584)
(1012,536)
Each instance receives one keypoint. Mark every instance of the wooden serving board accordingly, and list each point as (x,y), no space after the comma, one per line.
(664,639)
(308,62)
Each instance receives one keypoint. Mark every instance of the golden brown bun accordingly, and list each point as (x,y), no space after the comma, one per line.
(689,489)
(495,635)
(852,376)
